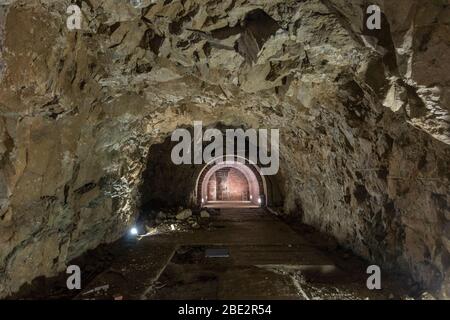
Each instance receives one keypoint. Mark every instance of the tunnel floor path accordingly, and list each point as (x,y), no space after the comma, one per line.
(247,253)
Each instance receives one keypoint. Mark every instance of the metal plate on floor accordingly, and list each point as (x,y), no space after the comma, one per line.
(217,253)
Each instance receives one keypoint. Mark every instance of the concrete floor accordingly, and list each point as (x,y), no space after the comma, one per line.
(267,260)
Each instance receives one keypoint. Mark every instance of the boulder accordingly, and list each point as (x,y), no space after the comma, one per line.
(184,214)
(204,214)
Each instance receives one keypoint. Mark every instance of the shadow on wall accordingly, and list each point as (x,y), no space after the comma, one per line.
(165,184)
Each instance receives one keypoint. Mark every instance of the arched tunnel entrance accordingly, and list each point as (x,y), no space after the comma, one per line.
(231,183)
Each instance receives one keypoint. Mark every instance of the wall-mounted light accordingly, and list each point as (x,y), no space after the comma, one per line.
(134,231)
(259,200)
(251,197)
(203,200)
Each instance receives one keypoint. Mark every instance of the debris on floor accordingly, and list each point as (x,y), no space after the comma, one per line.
(183,215)
(214,265)
(97,290)
(175,220)
(204,214)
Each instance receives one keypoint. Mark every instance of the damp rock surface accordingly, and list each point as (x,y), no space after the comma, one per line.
(363,119)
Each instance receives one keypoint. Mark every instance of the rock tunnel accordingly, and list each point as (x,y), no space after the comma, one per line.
(87,115)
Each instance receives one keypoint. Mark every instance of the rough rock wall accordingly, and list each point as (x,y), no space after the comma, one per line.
(416,39)
(80,110)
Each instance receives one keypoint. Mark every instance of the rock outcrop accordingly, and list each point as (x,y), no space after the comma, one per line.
(364,119)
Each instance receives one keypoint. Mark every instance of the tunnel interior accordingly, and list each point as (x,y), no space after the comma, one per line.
(87,117)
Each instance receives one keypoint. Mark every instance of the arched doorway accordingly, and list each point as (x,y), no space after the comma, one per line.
(231,183)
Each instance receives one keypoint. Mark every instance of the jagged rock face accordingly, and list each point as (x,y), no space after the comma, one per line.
(80,110)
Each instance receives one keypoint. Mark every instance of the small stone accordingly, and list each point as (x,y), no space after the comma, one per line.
(204,214)
(427,296)
(184,214)
(195,225)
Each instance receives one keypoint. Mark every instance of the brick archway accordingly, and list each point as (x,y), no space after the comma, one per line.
(256,184)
